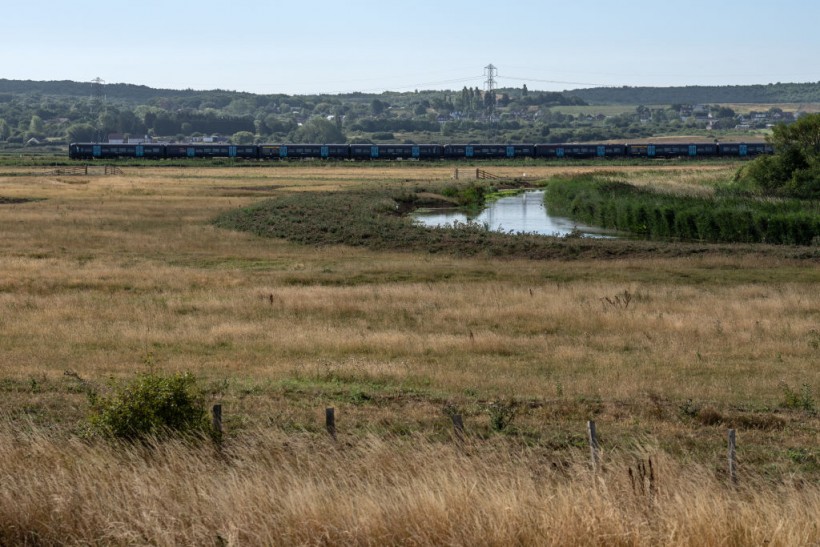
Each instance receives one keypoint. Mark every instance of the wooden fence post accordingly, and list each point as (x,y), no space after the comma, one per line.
(732,456)
(458,428)
(217,419)
(594,448)
(330,422)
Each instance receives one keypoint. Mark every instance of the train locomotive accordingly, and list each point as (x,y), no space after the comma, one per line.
(91,151)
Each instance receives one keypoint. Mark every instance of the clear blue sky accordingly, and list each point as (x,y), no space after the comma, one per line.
(322,46)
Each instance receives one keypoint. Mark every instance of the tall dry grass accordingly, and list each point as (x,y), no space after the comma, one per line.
(269,489)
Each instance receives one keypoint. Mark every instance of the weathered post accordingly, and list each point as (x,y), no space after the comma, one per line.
(216,412)
(732,456)
(594,449)
(458,428)
(330,422)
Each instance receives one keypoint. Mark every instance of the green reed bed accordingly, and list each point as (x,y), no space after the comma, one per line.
(597,200)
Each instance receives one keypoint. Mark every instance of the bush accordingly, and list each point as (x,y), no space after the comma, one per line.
(150,404)
(794,170)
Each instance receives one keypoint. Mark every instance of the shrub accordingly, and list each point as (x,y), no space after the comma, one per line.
(150,404)
(802,400)
(501,414)
(793,171)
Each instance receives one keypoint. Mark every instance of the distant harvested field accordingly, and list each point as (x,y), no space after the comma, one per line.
(745,108)
(120,274)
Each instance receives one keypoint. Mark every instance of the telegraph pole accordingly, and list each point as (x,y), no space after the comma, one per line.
(97,98)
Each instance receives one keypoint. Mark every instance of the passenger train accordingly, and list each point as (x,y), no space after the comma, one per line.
(89,151)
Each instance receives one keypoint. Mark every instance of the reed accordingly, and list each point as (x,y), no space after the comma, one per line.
(659,215)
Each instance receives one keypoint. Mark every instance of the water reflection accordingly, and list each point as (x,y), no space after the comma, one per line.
(524,212)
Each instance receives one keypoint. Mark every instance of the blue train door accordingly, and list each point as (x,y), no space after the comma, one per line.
(744,150)
(283,152)
(96,150)
(511,151)
(468,151)
(601,151)
(693,150)
(191,152)
(231,151)
(324,152)
(559,152)
(374,151)
(650,150)
(139,151)
(416,152)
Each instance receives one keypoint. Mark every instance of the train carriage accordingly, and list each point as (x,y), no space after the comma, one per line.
(311,151)
(675,150)
(703,150)
(520,150)
(426,151)
(395,151)
(270,151)
(364,151)
(109,150)
(477,151)
(741,149)
(640,150)
(672,150)
(574,151)
(211,151)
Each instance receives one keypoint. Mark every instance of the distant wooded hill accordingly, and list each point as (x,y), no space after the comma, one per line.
(770,93)
(124,92)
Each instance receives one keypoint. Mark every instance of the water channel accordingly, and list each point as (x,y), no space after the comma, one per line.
(523,212)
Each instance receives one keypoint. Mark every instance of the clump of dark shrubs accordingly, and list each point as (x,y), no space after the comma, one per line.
(150,405)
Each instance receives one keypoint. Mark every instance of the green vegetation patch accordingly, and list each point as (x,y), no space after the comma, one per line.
(13,201)
(597,200)
(151,404)
(376,219)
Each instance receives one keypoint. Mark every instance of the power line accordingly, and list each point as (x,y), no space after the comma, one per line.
(423,84)
(553,81)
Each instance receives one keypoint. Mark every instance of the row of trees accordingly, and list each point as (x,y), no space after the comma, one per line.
(518,114)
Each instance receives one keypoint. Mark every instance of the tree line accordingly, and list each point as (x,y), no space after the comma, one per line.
(60,112)
(770,93)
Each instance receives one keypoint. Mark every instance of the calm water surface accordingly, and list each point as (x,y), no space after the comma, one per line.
(521,213)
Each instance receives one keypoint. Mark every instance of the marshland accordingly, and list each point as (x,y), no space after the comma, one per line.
(287,289)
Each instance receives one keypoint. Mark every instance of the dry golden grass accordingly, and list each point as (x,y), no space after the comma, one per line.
(104,276)
(270,489)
